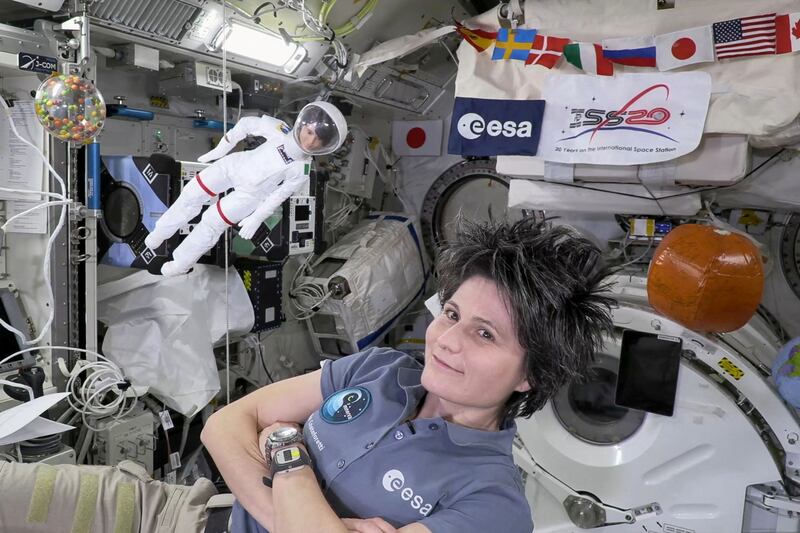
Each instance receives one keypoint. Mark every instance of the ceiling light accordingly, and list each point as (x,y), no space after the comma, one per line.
(255,44)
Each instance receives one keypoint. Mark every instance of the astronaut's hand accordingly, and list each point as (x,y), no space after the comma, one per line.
(248,227)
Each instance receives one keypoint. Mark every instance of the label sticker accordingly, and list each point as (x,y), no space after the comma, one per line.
(175,460)
(166,420)
(37,63)
(730,368)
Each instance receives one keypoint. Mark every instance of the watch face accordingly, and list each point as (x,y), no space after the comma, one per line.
(283,434)
(287,455)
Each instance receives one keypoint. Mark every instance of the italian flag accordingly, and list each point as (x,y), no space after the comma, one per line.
(589,58)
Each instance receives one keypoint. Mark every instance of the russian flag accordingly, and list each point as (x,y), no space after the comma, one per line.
(633,51)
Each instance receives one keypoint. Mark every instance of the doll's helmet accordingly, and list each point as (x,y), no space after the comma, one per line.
(320,128)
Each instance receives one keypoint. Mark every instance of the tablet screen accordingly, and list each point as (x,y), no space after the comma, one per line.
(648,372)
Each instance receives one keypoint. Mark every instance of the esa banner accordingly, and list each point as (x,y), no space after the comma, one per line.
(629,119)
(484,127)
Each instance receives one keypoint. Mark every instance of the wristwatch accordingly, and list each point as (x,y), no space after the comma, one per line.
(285,455)
(283,437)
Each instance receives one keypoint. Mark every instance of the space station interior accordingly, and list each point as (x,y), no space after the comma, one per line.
(203,199)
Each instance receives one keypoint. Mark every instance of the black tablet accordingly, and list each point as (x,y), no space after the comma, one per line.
(648,372)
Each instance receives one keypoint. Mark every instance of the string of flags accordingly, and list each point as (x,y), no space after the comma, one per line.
(757,35)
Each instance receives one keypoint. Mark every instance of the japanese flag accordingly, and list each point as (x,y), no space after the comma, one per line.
(417,137)
(687,47)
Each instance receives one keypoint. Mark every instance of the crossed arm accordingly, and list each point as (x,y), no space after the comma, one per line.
(295,503)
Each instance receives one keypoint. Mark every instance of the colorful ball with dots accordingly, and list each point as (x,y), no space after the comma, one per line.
(70,108)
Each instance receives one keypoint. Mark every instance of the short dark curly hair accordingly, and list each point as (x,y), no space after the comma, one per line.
(551,278)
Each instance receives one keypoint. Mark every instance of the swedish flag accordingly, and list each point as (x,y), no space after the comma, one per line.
(513,44)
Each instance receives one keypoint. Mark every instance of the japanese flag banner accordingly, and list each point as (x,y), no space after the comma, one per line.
(417,137)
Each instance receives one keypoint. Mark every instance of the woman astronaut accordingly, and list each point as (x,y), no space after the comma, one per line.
(261,180)
(390,445)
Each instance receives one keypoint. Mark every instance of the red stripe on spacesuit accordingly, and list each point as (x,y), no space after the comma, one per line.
(222,215)
(203,186)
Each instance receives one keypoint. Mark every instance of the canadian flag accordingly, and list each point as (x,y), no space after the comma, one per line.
(687,47)
(787,28)
(417,137)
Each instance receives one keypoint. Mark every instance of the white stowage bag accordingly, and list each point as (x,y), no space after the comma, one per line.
(161,331)
(385,266)
(751,96)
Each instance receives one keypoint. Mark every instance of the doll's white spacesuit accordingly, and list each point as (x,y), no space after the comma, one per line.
(261,180)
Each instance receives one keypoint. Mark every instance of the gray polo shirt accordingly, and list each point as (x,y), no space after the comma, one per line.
(370,463)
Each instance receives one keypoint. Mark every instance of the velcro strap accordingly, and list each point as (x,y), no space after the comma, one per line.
(87,504)
(126,503)
(42,494)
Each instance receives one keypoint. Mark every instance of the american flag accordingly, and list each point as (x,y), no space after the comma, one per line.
(747,36)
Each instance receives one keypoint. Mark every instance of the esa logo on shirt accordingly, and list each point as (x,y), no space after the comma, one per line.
(393,480)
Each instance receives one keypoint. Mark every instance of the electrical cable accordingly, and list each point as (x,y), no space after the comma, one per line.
(258,9)
(32,209)
(187,422)
(638,258)
(653,196)
(227,229)
(311,291)
(449,52)
(322,32)
(307,291)
(263,363)
(348,27)
(406,205)
(666,197)
(90,398)
(86,445)
(341,216)
(38,193)
(44,330)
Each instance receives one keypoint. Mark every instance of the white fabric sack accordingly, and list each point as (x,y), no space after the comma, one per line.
(772,187)
(739,86)
(161,331)
(788,137)
(399,47)
(529,194)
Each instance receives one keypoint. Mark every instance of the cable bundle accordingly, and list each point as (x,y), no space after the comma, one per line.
(101,393)
(303,293)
